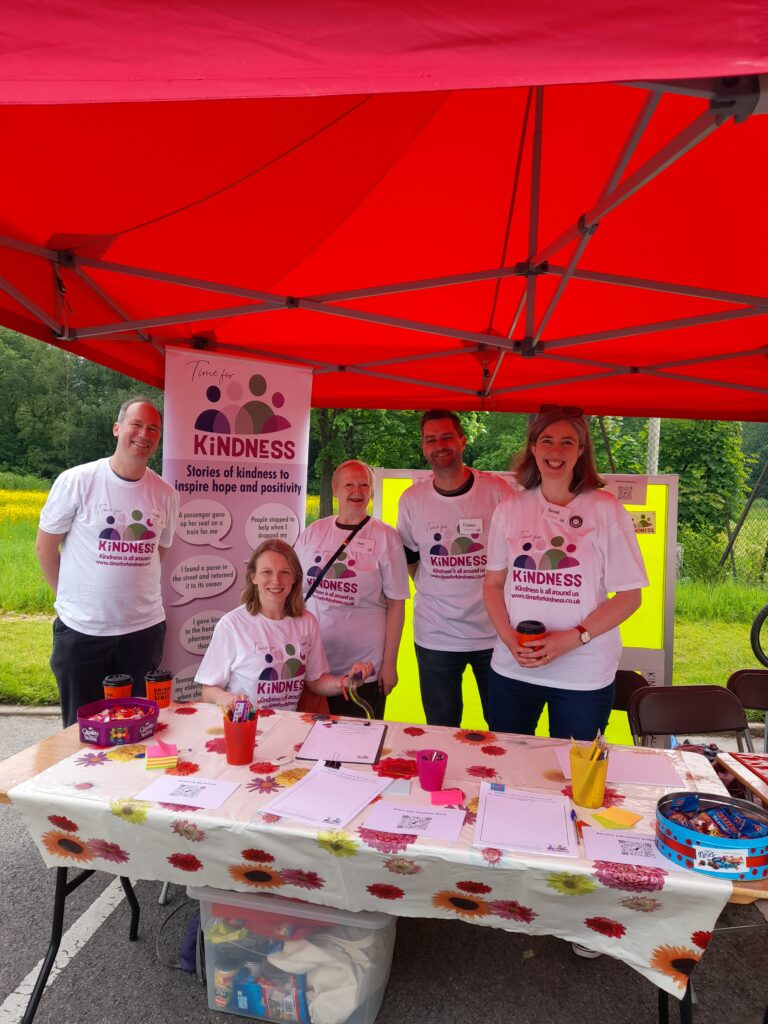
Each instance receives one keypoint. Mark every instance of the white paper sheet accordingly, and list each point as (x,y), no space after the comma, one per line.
(436,822)
(346,740)
(327,796)
(625,847)
(517,819)
(172,789)
(627,766)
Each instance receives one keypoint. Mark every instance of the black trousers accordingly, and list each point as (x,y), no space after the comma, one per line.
(79,662)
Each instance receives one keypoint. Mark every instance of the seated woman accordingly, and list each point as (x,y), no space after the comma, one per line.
(269,648)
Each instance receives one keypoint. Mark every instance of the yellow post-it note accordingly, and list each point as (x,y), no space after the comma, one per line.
(617,817)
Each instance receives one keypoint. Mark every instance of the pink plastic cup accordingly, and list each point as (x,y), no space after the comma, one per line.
(431,765)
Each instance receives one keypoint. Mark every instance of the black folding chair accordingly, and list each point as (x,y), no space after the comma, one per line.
(751,687)
(687,711)
(626,683)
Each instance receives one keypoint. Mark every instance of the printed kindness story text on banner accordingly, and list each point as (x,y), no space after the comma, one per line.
(236,440)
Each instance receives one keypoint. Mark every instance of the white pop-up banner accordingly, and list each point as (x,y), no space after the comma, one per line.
(236,442)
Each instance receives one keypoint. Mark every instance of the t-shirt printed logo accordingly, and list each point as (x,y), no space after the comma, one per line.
(454,555)
(558,556)
(281,680)
(336,586)
(541,571)
(126,539)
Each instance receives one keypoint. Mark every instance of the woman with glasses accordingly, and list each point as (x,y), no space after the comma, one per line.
(556,550)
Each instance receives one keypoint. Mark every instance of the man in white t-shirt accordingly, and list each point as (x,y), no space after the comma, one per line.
(103,531)
(443,522)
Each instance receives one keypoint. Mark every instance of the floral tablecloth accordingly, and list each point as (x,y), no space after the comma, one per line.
(83,812)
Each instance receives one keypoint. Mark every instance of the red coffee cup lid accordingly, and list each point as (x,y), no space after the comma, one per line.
(119,679)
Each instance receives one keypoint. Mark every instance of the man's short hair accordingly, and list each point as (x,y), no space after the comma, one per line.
(134,400)
(442,414)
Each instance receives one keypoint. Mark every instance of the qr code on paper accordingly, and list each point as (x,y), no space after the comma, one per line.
(187,789)
(636,847)
(414,821)
(625,492)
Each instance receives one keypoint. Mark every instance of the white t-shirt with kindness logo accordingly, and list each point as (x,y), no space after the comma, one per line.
(266,659)
(350,602)
(450,532)
(109,576)
(561,564)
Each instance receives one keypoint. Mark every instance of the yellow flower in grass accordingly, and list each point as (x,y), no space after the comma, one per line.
(571,885)
(340,844)
(134,811)
(288,778)
(676,962)
(129,752)
(64,844)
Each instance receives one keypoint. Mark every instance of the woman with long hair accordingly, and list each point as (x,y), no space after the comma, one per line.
(556,550)
(268,649)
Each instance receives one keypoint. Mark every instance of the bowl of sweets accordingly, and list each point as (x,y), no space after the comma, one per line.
(115,721)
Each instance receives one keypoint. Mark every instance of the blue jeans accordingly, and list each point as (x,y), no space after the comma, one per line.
(440,674)
(515,706)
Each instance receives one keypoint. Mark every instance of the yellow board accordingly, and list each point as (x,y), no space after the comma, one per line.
(643,629)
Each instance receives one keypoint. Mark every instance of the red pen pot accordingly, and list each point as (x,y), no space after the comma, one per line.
(239,740)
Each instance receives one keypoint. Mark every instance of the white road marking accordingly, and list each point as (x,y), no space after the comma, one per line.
(13,1008)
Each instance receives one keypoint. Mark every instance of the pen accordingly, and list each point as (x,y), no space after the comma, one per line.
(576,825)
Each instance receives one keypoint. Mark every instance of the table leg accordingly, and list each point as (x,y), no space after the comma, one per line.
(686,1005)
(62,890)
(130,895)
(663,1007)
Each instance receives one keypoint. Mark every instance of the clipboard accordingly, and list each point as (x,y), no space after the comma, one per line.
(344,740)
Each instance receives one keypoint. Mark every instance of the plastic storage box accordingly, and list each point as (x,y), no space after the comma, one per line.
(274,958)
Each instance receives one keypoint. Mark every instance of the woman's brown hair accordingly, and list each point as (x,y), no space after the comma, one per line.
(585,475)
(294,605)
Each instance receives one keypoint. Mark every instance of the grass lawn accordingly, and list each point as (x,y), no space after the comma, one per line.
(25,646)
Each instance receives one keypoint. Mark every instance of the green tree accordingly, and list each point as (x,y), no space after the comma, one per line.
(708,457)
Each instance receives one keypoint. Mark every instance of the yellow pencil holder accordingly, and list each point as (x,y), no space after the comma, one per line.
(588,778)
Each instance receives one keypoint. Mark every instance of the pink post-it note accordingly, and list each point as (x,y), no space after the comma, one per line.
(441,797)
(162,750)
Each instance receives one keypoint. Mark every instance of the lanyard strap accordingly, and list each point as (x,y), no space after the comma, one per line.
(317,580)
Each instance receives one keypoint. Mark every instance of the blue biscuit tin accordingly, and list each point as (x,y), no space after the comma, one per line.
(742,859)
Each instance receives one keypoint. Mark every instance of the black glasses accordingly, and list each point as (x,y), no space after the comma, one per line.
(568,411)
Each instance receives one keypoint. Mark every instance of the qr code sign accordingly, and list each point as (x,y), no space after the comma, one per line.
(625,492)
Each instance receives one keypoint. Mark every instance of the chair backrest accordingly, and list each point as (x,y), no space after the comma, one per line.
(687,711)
(751,687)
(626,683)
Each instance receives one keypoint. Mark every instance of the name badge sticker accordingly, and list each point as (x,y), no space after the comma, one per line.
(555,514)
(362,544)
(469,526)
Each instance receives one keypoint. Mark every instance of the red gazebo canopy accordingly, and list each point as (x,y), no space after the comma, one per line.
(409,200)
